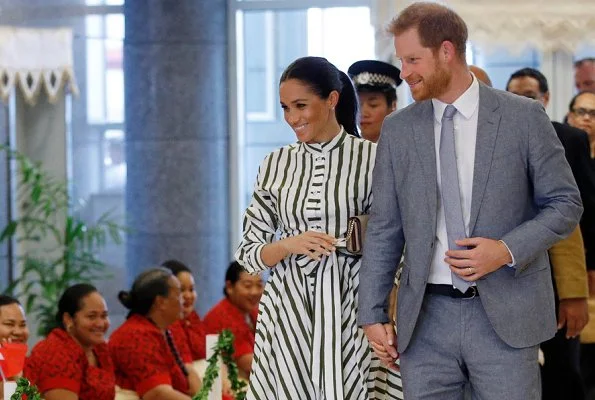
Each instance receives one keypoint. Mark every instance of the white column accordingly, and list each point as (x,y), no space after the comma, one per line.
(557,66)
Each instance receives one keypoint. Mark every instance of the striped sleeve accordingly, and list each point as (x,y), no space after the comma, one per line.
(260,222)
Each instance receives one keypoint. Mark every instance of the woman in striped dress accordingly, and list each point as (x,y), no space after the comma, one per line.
(308,344)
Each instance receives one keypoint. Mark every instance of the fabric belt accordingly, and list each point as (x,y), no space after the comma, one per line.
(450,291)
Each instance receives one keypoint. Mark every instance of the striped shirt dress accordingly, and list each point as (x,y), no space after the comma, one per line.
(308,345)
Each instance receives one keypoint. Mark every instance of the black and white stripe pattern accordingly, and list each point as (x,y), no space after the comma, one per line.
(308,344)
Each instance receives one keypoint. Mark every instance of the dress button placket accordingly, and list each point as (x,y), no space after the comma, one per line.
(316,191)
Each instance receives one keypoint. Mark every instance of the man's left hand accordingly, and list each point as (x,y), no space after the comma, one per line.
(574,314)
(482,257)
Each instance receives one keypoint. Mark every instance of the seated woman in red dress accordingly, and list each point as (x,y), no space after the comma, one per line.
(238,312)
(13,328)
(73,362)
(13,324)
(190,328)
(146,359)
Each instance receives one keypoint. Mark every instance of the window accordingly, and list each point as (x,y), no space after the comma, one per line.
(105,75)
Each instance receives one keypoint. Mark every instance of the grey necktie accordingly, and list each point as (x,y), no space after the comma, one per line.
(451,195)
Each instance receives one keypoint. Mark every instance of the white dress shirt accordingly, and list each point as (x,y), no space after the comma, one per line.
(465,132)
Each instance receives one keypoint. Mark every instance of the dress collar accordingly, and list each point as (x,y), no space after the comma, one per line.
(323,148)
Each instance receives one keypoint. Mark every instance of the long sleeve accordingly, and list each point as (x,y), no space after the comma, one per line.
(576,146)
(384,240)
(584,174)
(568,264)
(555,193)
(260,222)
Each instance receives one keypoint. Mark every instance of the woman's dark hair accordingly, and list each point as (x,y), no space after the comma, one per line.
(8,300)
(146,287)
(322,78)
(71,301)
(233,274)
(176,266)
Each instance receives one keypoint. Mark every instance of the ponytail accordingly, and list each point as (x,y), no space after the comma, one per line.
(347,109)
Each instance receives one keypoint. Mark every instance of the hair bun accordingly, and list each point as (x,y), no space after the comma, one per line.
(125,298)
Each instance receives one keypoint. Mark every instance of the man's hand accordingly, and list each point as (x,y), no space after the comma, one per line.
(382,338)
(574,314)
(483,257)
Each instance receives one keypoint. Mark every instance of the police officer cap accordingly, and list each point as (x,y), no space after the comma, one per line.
(374,73)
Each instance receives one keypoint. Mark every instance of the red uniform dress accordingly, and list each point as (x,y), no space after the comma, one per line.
(58,362)
(227,316)
(143,359)
(191,330)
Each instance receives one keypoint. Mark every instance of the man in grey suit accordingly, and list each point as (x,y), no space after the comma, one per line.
(475,181)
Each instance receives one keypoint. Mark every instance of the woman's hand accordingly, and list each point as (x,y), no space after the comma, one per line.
(312,244)
(194,381)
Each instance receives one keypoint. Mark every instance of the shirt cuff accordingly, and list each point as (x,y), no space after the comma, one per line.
(513,263)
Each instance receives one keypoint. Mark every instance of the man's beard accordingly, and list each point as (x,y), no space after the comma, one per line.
(434,85)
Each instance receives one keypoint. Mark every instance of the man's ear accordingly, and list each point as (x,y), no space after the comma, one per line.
(447,51)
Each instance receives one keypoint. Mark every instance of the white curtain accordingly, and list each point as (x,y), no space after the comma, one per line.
(546,25)
(36,59)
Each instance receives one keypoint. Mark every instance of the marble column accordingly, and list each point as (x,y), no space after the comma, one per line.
(175,71)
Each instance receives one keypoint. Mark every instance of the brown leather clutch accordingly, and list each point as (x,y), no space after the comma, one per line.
(356,232)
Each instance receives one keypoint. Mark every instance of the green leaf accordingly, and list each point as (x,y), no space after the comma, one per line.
(24,387)
(9,230)
(30,300)
(224,349)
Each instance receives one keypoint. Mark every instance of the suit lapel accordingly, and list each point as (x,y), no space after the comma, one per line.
(423,129)
(488,122)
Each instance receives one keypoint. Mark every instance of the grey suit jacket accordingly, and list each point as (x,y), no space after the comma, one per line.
(523,193)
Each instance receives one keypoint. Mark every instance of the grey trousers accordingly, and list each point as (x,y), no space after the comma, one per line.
(454,345)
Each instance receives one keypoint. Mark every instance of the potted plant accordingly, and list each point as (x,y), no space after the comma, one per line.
(59,247)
